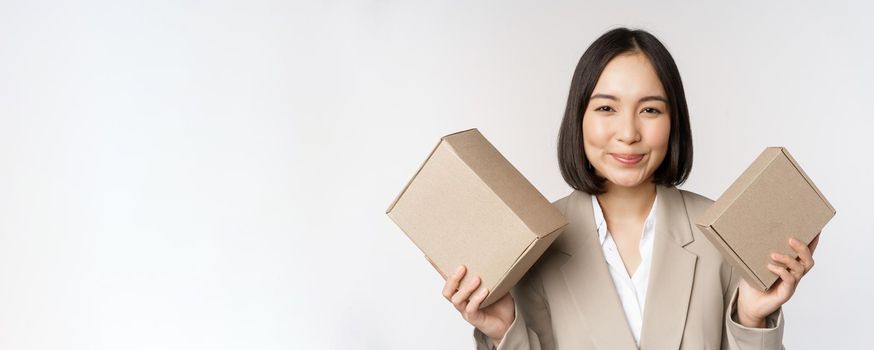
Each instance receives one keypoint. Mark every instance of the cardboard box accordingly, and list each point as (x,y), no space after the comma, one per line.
(771,201)
(468,205)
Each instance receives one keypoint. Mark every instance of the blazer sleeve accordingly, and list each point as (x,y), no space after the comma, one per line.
(736,336)
(532,327)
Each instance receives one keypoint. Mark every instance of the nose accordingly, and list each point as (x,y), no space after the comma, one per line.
(627,129)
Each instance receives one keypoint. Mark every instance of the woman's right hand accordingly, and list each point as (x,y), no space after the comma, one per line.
(493,320)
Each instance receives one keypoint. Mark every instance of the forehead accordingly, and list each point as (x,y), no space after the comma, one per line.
(629,75)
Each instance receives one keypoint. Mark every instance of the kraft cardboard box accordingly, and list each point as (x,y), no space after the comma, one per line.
(771,201)
(468,205)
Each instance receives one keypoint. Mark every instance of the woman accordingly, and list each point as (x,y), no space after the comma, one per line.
(631,270)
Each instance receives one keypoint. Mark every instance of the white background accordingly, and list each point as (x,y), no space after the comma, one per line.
(214,174)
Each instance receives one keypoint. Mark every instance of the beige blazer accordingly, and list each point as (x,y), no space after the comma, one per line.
(568,301)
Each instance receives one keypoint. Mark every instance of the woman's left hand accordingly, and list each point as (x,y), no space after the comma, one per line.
(753,306)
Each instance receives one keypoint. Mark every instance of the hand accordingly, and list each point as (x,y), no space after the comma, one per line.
(493,320)
(754,306)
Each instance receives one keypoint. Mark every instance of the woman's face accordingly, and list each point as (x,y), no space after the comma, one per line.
(627,124)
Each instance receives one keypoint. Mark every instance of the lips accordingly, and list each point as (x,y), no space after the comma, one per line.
(627,159)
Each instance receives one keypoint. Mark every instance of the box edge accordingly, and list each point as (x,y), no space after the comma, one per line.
(734,259)
(808,180)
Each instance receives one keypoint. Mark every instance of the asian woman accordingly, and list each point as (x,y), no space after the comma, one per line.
(631,270)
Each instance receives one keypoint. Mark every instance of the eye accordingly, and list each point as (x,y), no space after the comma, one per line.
(604,109)
(651,110)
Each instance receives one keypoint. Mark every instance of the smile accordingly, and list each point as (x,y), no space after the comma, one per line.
(627,159)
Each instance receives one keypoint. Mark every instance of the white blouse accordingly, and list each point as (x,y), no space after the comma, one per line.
(631,289)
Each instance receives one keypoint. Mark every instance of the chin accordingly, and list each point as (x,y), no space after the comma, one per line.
(627,181)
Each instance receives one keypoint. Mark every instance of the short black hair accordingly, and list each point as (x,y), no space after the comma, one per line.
(575,167)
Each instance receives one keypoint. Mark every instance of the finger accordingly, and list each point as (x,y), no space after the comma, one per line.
(460,298)
(805,256)
(778,263)
(788,279)
(471,311)
(795,267)
(452,282)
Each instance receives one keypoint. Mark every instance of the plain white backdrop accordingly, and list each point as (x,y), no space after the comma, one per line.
(214,174)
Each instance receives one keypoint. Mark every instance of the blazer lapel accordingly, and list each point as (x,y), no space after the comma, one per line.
(588,279)
(672,273)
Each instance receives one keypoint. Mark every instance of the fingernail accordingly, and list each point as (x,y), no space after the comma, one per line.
(775,256)
(794,241)
(459,270)
(484,291)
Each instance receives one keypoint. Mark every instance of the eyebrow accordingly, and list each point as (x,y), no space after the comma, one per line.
(643,99)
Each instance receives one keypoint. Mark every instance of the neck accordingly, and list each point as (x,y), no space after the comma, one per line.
(624,203)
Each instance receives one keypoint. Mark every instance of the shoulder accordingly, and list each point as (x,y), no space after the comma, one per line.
(553,256)
(561,204)
(695,203)
(695,200)
(565,241)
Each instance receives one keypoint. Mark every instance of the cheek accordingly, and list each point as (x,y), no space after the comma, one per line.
(595,132)
(658,134)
